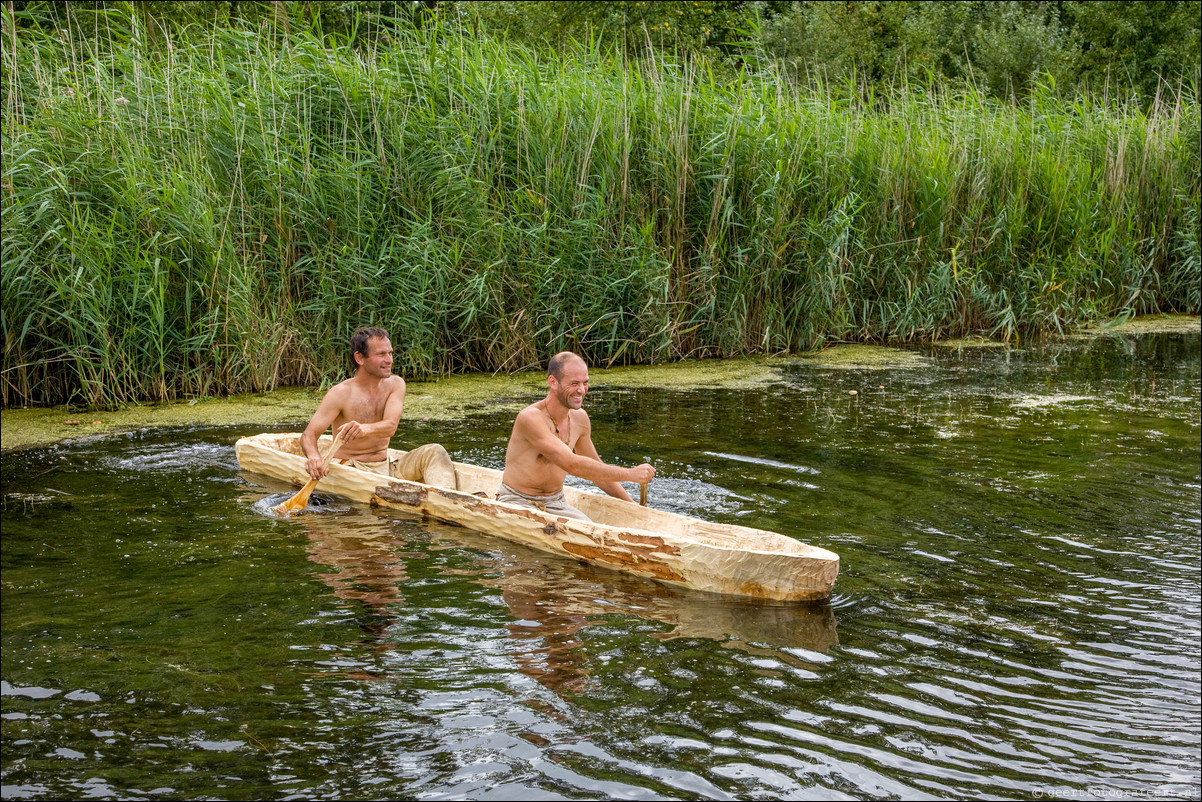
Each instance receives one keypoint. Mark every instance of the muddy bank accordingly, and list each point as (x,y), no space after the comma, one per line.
(456,397)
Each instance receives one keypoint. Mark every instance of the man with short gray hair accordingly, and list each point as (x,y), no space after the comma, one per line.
(552,438)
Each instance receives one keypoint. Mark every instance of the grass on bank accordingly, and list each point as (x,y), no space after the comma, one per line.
(214,219)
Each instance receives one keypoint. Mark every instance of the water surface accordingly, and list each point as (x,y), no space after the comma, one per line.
(1017,613)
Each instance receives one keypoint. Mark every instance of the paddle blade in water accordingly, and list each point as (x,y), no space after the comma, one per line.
(297,502)
(301,499)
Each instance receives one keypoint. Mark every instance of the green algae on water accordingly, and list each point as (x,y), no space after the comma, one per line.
(730,374)
(1055,399)
(45,425)
(446,399)
(1144,324)
(457,397)
(460,396)
(867,356)
(971,342)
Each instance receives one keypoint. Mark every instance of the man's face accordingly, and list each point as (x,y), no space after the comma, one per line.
(571,387)
(378,361)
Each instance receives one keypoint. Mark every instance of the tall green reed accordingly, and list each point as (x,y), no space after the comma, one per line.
(217,217)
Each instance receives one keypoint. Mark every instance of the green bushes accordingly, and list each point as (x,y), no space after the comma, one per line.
(217,217)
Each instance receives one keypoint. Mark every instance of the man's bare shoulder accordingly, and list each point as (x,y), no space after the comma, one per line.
(530,413)
(340,391)
(529,418)
(348,387)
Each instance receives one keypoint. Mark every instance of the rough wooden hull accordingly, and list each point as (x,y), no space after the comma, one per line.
(720,558)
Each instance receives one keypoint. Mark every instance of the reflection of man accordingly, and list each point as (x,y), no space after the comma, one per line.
(552,438)
(550,652)
(365,568)
(367,408)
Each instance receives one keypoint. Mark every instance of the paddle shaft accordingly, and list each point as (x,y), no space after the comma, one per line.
(301,499)
(642,494)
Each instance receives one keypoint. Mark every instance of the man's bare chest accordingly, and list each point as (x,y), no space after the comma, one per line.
(366,407)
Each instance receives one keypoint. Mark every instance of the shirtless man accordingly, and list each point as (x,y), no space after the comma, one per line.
(367,409)
(552,438)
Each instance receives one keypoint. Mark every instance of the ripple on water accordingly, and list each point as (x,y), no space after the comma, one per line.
(174,458)
(683,496)
(318,505)
(30,692)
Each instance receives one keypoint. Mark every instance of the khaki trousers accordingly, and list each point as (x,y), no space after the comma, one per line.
(429,464)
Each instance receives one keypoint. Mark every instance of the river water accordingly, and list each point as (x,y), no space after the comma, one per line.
(1017,613)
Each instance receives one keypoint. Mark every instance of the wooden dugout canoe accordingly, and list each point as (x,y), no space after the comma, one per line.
(719,558)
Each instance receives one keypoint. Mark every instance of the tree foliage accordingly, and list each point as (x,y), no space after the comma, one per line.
(1122,48)
(1005,47)
(715,26)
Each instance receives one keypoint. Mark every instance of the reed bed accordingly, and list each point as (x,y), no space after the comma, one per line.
(217,217)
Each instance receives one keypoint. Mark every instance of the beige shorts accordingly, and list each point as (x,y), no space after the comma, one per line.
(380,467)
(553,504)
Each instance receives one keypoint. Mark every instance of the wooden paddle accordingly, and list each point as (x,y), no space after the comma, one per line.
(642,494)
(301,499)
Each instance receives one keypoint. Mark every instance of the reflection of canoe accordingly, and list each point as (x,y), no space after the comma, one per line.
(720,558)
(551,602)
(580,592)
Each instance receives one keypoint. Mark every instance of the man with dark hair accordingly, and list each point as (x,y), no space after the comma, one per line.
(552,438)
(367,409)
(359,338)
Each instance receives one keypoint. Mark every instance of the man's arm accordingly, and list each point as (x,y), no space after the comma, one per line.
(531,427)
(326,414)
(585,448)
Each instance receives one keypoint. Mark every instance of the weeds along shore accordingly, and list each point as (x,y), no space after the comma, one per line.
(216,217)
